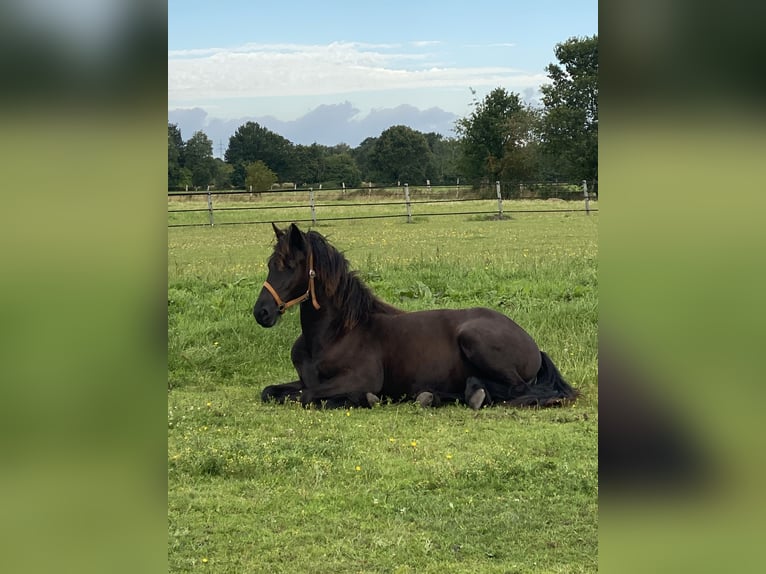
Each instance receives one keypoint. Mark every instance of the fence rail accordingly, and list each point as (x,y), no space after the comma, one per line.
(500,212)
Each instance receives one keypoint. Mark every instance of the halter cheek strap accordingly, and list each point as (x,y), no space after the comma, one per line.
(310,292)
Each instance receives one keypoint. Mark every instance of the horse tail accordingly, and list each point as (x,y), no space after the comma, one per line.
(548,388)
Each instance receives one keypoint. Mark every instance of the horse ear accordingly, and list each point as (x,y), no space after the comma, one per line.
(277,231)
(297,240)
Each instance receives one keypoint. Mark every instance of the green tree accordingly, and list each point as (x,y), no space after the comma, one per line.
(175,156)
(199,159)
(443,169)
(308,163)
(363,155)
(570,123)
(222,174)
(521,151)
(341,168)
(259,176)
(253,142)
(185,177)
(485,134)
(402,155)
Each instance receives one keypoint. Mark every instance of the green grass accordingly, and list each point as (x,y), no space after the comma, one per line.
(268,488)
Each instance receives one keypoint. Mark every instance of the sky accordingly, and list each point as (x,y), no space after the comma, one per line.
(338,72)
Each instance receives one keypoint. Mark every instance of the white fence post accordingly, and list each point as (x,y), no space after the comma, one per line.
(585,193)
(407,202)
(499,201)
(210,206)
(313,208)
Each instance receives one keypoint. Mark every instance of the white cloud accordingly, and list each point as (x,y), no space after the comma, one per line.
(421,43)
(257,70)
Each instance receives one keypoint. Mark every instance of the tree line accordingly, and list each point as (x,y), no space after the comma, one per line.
(503,138)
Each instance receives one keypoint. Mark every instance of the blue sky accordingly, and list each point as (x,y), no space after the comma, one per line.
(281,60)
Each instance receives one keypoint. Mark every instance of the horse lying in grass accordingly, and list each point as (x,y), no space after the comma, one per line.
(355,349)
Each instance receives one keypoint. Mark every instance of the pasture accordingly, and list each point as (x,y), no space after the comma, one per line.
(258,487)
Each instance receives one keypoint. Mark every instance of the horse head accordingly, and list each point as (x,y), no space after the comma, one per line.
(291,276)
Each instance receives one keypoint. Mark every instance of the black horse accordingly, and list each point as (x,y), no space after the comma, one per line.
(355,349)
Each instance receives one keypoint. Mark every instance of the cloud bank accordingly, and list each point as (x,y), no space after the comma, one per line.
(325,124)
(258,70)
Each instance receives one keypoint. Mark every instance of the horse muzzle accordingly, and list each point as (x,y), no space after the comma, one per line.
(266,313)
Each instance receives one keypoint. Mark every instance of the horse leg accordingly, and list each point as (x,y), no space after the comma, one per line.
(281,393)
(476,395)
(289,391)
(434,398)
(504,358)
(350,400)
(350,389)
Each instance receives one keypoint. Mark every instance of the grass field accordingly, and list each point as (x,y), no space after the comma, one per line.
(258,487)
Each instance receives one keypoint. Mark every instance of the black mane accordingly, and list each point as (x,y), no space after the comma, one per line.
(354,300)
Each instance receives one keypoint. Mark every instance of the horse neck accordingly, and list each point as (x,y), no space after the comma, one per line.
(319,327)
(333,319)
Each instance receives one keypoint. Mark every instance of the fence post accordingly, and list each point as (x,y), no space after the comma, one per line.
(585,193)
(313,208)
(499,201)
(343,184)
(210,206)
(407,202)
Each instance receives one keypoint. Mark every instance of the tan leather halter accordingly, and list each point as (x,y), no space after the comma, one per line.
(310,292)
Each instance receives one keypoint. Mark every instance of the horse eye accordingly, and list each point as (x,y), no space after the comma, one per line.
(282,264)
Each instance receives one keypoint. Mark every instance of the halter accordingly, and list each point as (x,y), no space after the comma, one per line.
(310,292)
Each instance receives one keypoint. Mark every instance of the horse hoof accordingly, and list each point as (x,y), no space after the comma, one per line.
(425,399)
(477,399)
(372,400)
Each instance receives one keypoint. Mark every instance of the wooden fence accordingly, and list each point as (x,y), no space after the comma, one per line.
(426,195)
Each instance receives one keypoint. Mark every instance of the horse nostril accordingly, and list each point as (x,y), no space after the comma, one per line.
(260,314)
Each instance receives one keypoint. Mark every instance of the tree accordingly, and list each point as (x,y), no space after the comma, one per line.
(485,135)
(199,159)
(341,168)
(185,177)
(521,152)
(175,156)
(222,174)
(570,124)
(443,168)
(308,163)
(402,155)
(253,142)
(259,176)
(363,155)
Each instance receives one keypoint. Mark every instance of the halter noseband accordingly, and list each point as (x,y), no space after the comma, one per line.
(310,292)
